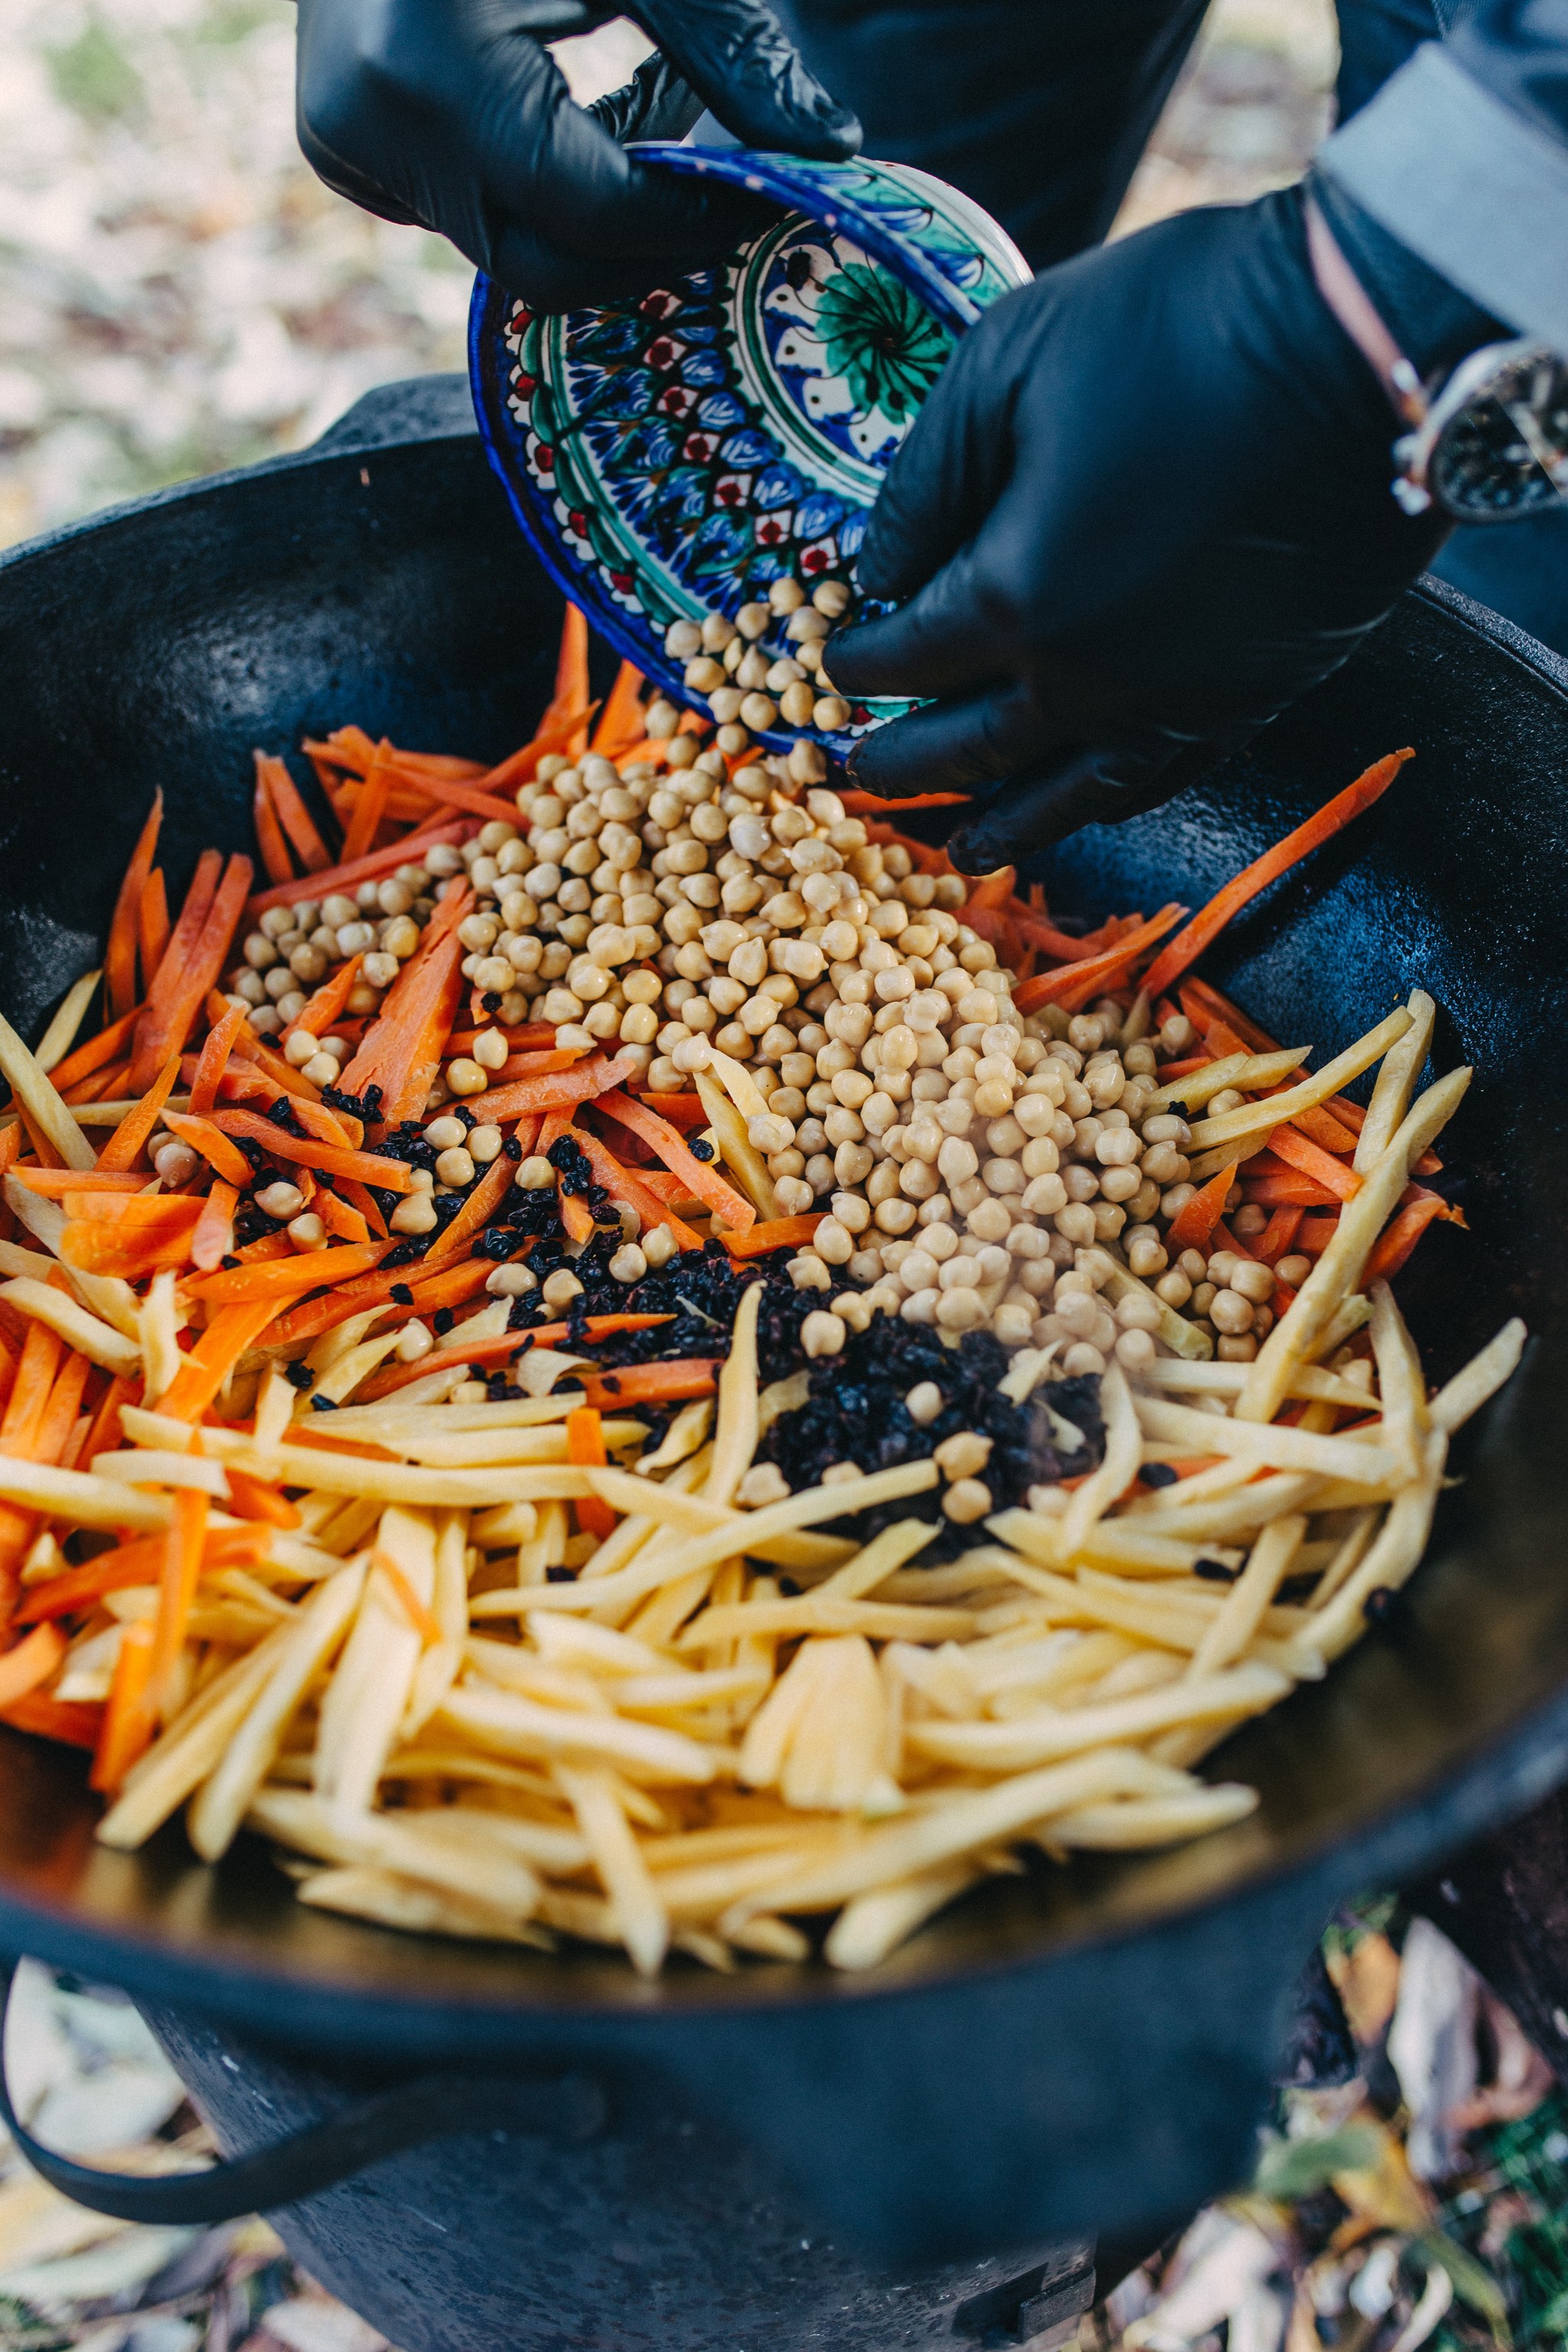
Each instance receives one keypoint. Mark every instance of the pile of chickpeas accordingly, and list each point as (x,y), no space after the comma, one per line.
(742,684)
(977,1170)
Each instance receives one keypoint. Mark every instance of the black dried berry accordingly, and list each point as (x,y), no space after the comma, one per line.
(1382,1605)
(298,1374)
(490,1001)
(1214,1571)
(1158,1474)
(443,1320)
(512,1150)
(324,1404)
(401,1295)
(700,1148)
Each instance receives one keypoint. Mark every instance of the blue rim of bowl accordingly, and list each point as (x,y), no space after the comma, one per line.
(761,174)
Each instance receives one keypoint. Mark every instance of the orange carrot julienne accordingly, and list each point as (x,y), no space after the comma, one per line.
(232,1330)
(585,1448)
(1194,1224)
(590,1080)
(329,1159)
(126,1211)
(292,814)
(666,1384)
(1071,985)
(339,1218)
(552,734)
(571,662)
(182,944)
(223,1158)
(496,1350)
(1399,1237)
(702,1178)
(1300,1151)
(623,1184)
(476,1212)
(256,1500)
(60,1412)
(73,1723)
(322,880)
(1210,920)
(621,720)
(140,1562)
(124,930)
(181,1572)
(53,1183)
(90,1059)
(124,1146)
(213,1059)
(34,1658)
(153,925)
(286,1278)
(1286,1188)
(269,840)
(1274,1242)
(371,807)
(323,1008)
(214,1237)
(781,1233)
(126,1729)
(103,1249)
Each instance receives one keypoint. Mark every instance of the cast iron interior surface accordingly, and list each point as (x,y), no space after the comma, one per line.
(379,579)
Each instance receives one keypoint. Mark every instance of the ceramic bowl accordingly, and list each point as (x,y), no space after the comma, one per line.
(676,453)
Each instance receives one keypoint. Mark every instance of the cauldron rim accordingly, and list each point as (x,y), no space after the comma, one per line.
(1503,1770)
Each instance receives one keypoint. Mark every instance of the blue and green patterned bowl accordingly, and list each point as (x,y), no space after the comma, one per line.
(675,454)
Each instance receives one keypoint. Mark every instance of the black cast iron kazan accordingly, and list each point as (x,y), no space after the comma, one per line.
(686,2163)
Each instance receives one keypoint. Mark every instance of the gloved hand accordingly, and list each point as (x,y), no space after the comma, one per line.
(1145,506)
(453,114)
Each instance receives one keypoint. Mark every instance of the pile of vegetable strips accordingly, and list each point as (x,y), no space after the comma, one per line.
(586,1383)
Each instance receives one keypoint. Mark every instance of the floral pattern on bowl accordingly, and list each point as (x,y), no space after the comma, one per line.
(677,453)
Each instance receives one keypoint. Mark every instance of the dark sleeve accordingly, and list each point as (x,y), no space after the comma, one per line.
(1459,168)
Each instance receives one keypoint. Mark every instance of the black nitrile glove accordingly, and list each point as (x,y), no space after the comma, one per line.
(453,114)
(1145,506)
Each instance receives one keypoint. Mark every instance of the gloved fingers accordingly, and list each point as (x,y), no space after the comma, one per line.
(970,745)
(954,636)
(658,102)
(1084,787)
(737,54)
(551,176)
(953,467)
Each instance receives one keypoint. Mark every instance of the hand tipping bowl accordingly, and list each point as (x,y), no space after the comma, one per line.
(676,453)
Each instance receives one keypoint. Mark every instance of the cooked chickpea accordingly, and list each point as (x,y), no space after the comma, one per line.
(176,1163)
(1293,1271)
(415,1214)
(966,1500)
(307,1231)
(1253,1280)
(415,1339)
(485,1144)
(455,1168)
(465,1077)
(963,1455)
(280,1200)
(559,1288)
(1230,1313)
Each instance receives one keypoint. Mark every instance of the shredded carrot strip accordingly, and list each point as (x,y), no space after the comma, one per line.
(124,930)
(1298,1151)
(1210,920)
(366,820)
(496,1350)
(92,1057)
(590,1080)
(1400,1236)
(153,925)
(1274,1242)
(323,880)
(683,1377)
(329,1159)
(128,1723)
(275,859)
(623,1184)
(53,1183)
(292,814)
(232,1330)
(1071,985)
(181,1572)
(214,1237)
(256,1500)
(621,720)
(34,1658)
(706,1184)
(159,1210)
(1193,1225)
(101,1249)
(575,1215)
(124,1146)
(339,1218)
(782,1232)
(585,1446)
(553,734)
(140,1563)
(225,1157)
(286,1277)
(67,1721)
(323,1009)
(214,1060)
(476,1212)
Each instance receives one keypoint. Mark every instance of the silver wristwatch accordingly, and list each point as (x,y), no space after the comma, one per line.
(1493,445)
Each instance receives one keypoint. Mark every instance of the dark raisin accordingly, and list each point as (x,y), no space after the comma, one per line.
(490,1001)
(1214,1571)
(298,1374)
(443,1320)
(1384,1604)
(401,1295)
(324,1404)
(700,1148)
(1158,1474)
(511,1148)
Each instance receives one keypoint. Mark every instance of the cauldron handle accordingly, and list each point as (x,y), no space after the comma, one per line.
(567,2107)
